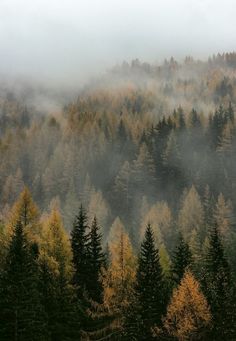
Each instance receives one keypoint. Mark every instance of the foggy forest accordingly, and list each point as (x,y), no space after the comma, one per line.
(118,195)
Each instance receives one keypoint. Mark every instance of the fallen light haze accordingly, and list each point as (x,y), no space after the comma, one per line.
(67,41)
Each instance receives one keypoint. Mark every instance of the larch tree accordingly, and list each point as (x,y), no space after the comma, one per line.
(191,224)
(25,211)
(191,214)
(119,277)
(160,218)
(223,216)
(98,207)
(56,274)
(188,314)
(13,186)
(55,243)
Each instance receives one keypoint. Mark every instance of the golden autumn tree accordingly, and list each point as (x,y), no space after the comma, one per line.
(223,215)
(160,218)
(25,211)
(59,297)
(118,286)
(98,207)
(55,244)
(120,276)
(191,214)
(188,314)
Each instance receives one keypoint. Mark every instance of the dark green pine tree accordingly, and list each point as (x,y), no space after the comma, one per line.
(22,317)
(61,305)
(96,262)
(149,287)
(219,289)
(182,259)
(49,294)
(79,245)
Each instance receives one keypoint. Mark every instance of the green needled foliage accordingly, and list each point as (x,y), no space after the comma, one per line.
(149,287)
(22,314)
(182,259)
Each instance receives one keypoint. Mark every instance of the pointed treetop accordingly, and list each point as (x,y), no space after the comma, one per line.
(25,211)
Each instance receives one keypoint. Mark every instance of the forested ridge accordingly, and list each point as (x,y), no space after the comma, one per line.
(118,211)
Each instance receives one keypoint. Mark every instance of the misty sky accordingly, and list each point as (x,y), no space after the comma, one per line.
(69,40)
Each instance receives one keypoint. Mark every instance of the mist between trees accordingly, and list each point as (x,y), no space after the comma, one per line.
(143,145)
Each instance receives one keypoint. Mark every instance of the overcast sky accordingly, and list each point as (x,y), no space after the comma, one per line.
(74,39)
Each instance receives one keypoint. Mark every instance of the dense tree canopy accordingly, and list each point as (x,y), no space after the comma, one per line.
(117,212)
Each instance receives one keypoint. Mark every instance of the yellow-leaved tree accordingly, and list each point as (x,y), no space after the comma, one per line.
(25,211)
(191,214)
(188,314)
(119,278)
(55,244)
(59,296)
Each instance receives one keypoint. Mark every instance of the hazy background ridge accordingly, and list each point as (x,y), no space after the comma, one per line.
(66,42)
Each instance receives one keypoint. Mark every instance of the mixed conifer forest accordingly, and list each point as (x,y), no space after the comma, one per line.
(118,205)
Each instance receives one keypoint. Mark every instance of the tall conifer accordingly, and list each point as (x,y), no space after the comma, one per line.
(150,286)
(21,312)
(79,245)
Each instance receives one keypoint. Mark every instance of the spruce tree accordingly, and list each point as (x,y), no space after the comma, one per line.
(69,312)
(149,287)
(21,312)
(219,289)
(79,245)
(182,259)
(96,261)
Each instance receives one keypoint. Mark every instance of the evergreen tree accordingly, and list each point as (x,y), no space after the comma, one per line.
(60,303)
(96,262)
(79,245)
(21,312)
(182,259)
(219,289)
(149,287)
